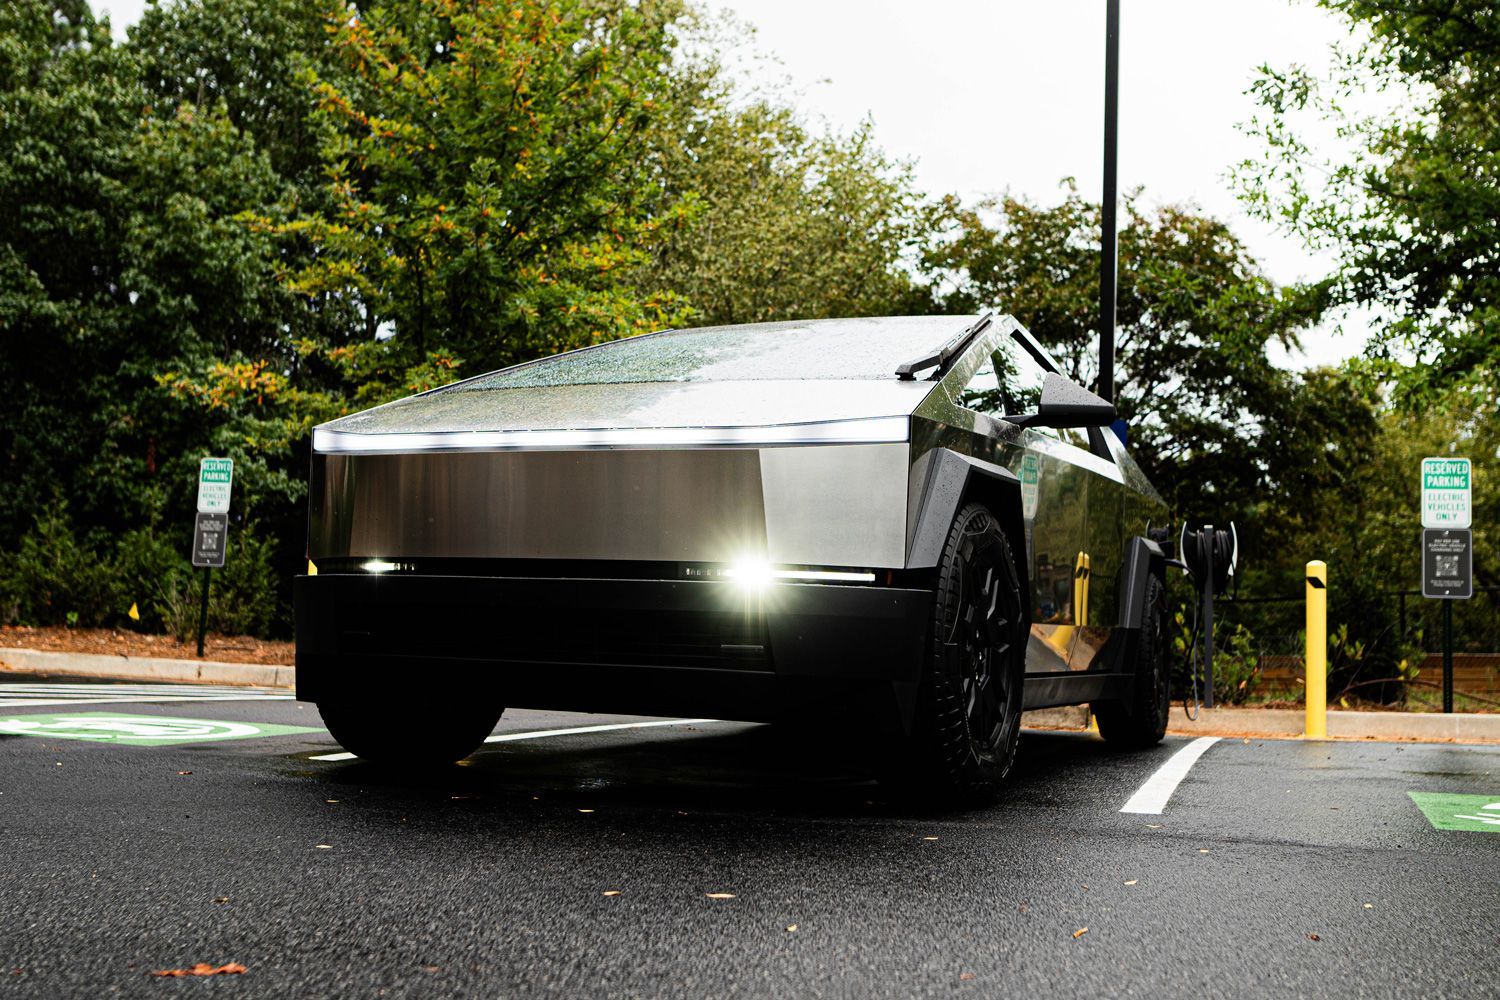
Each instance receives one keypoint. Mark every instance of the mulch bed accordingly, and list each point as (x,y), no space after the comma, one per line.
(224,648)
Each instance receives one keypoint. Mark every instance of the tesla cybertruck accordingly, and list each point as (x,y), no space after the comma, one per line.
(915,527)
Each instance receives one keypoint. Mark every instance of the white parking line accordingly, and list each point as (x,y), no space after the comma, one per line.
(544,733)
(1152,797)
(31,702)
(26,695)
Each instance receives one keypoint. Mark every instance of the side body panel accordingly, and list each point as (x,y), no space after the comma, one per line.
(1080,515)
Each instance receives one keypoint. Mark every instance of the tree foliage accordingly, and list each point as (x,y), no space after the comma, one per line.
(1409,196)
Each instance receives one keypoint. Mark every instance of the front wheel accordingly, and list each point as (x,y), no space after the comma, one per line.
(406,731)
(968,716)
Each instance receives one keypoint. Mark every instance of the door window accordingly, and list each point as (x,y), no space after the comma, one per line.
(1010,381)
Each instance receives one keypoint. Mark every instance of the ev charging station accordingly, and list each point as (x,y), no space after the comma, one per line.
(1211,558)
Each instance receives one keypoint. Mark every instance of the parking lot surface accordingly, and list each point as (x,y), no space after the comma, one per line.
(151,827)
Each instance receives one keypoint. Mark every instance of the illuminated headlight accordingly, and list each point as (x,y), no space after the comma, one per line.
(379,566)
(751,574)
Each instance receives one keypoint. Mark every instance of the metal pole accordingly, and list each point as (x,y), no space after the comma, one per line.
(1448,656)
(1108,273)
(1315,659)
(203,612)
(1208,616)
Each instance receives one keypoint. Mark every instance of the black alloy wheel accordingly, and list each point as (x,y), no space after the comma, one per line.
(968,718)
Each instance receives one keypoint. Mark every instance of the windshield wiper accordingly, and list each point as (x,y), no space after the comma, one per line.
(942,357)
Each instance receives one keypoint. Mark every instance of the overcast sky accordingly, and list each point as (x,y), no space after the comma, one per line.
(989,95)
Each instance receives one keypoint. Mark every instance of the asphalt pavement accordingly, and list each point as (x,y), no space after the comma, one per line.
(198,825)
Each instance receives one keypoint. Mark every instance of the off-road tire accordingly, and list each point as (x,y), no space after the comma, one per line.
(402,731)
(968,713)
(1141,720)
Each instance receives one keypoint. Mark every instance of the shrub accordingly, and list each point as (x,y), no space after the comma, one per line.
(54,578)
(152,573)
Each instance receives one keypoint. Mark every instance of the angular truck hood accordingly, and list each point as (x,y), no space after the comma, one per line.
(721,413)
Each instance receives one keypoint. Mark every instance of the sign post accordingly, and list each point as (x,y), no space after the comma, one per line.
(1447,546)
(211,527)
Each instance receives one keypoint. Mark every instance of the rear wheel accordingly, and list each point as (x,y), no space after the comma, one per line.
(968,717)
(401,730)
(1141,720)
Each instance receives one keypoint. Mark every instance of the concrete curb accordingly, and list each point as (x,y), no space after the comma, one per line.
(132,668)
(1287,723)
(1421,727)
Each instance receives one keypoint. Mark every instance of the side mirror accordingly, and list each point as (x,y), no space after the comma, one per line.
(1065,403)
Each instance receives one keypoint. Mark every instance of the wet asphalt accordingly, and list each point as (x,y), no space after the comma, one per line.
(1278,868)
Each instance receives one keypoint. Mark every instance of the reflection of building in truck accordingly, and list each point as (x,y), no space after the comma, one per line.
(759,522)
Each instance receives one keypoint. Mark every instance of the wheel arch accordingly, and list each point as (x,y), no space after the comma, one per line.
(1143,560)
(952,480)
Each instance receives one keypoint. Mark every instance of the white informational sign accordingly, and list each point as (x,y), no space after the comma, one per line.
(215,479)
(1446,493)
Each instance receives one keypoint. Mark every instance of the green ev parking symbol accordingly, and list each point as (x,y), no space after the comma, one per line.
(138,730)
(1448,811)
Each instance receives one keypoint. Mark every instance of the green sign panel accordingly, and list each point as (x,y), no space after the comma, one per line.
(215,480)
(138,730)
(1450,811)
(1447,492)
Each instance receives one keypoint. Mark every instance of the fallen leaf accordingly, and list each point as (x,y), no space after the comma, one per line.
(719,895)
(1313,937)
(221,900)
(1085,888)
(184,772)
(791,928)
(964,977)
(611,892)
(1021,908)
(1080,932)
(1132,881)
(203,969)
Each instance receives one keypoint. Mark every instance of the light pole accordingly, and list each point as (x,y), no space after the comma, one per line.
(1108,277)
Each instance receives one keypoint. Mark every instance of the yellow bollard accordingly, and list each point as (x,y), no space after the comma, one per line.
(1317,651)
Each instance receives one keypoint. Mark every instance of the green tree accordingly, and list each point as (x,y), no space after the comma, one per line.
(125,253)
(1408,197)
(783,223)
(253,57)
(487,196)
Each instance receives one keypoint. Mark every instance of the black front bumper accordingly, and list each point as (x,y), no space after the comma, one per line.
(636,646)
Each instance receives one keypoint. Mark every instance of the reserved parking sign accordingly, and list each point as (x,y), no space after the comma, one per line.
(1446,493)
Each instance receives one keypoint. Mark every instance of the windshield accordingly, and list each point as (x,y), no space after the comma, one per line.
(829,349)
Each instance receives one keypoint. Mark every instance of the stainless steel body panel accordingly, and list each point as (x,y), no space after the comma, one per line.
(829,505)
(836,505)
(1085,510)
